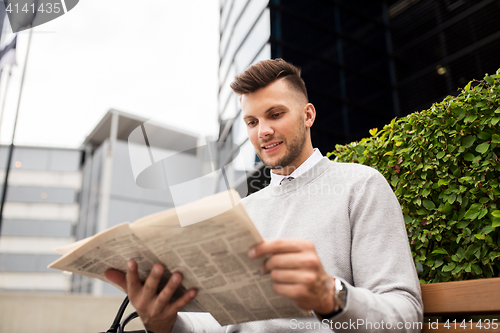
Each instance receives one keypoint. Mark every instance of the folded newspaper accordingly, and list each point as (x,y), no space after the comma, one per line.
(207,242)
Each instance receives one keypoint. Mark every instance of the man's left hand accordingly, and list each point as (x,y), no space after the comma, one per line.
(297,273)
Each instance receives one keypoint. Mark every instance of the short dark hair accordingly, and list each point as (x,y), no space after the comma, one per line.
(266,72)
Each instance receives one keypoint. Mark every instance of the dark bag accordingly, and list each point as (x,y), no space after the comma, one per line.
(119,327)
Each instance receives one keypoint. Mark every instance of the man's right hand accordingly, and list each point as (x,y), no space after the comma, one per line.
(155,310)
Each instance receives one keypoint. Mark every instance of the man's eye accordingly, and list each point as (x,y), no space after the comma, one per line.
(252,123)
(276,115)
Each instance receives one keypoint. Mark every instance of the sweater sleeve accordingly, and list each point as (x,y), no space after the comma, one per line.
(191,322)
(386,294)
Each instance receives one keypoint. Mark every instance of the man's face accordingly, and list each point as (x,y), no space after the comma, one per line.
(277,119)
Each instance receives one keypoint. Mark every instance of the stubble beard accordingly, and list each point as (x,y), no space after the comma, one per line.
(294,150)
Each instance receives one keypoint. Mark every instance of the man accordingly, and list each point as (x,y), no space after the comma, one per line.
(337,241)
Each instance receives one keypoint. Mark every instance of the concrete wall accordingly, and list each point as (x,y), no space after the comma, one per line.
(44,313)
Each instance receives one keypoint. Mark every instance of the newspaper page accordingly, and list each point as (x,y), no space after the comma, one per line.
(207,242)
(65,249)
(212,257)
(111,248)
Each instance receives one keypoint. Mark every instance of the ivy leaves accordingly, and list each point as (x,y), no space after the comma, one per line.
(443,166)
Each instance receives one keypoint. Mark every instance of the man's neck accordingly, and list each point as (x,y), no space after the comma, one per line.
(288,170)
(315,157)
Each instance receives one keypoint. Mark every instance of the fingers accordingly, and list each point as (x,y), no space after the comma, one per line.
(183,301)
(156,311)
(321,301)
(280,246)
(169,289)
(297,272)
(116,277)
(295,292)
(309,291)
(163,299)
(134,285)
(152,282)
(303,260)
(284,276)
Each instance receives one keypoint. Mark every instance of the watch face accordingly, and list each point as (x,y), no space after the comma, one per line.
(339,286)
(340,294)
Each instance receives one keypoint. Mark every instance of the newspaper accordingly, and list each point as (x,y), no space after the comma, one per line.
(211,255)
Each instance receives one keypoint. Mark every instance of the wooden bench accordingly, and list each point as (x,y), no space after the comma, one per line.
(462,306)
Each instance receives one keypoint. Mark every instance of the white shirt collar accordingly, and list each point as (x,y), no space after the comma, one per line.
(315,157)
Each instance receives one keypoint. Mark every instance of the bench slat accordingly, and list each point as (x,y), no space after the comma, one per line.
(462,297)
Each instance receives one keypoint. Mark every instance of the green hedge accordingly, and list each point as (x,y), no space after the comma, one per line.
(443,166)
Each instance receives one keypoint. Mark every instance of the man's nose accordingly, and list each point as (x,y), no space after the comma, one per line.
(265,129)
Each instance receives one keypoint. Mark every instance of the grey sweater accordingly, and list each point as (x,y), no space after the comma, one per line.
(354,219)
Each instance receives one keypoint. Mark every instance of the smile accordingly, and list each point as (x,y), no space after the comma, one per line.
(272,145)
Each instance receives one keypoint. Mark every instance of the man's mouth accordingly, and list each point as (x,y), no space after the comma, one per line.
(272,145)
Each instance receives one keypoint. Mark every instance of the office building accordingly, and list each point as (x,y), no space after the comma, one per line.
(40,214)
(56,196)
(119,179)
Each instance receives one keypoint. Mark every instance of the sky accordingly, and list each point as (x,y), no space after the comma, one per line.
(155,59)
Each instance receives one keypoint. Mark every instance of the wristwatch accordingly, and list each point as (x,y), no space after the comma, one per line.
(340,295)
(340,298)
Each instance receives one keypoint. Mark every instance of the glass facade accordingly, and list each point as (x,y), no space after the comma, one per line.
(245,30)
(343,48)
(40,213)
(451,43)
(89,208)
(26,263)
(37,228)
(42,159)
(32,194)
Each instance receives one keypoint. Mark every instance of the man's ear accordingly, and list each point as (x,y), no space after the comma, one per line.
(309,114)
